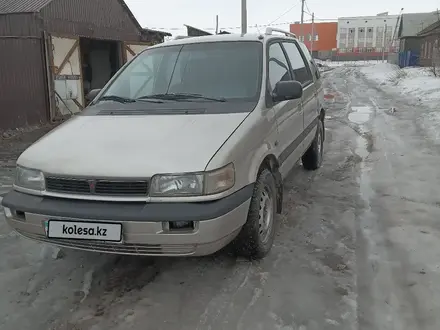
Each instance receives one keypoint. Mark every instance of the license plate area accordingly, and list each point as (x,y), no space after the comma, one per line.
(84,230)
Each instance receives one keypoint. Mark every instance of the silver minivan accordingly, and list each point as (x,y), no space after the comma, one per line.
(183,152)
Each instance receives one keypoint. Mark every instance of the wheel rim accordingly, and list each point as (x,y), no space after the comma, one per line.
(265,215)
(319,145)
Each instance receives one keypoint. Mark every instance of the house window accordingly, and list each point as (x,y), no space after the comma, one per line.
(429,49)
(351,30)
(422,51)
(316,37)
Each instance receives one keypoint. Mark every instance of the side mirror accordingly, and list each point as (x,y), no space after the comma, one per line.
(92,94)
(287,90)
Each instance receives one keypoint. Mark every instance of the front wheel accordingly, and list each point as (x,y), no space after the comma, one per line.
(256,237)
(312,159)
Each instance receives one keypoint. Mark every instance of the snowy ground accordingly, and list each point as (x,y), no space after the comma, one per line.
(335,64)
(418,86)
(358,244)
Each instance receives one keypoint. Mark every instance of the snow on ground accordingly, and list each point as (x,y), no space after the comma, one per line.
(334,64)
(419,85)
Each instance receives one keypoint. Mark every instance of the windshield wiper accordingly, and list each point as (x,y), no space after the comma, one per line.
(121,99)
(116,98)
(181,97)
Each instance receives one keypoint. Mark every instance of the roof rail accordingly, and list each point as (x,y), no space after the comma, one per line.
(270,30)
(181,37)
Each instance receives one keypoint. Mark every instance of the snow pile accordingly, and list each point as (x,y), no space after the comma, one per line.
(418,85)
(335,64)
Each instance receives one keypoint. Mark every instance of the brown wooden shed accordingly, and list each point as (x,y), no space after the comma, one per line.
(53,51)
(430,46)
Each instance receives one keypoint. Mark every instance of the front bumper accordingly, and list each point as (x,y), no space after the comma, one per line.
(146,227)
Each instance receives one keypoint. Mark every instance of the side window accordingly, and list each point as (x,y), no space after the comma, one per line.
(311,61)
(278,66)
(301,71)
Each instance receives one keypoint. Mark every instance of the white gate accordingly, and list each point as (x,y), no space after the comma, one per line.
(67,75)
(131,50)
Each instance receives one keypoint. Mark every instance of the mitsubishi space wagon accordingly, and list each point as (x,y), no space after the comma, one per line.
(183,152)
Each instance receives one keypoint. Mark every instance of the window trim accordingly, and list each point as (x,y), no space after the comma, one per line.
(306,62)
(268,93)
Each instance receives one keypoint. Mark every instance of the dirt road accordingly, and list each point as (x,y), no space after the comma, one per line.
(357,247)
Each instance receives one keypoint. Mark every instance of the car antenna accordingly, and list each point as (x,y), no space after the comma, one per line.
(259,32)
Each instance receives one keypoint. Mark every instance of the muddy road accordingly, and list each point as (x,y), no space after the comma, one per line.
(357,246)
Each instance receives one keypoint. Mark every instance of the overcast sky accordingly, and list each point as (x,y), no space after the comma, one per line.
(170,15)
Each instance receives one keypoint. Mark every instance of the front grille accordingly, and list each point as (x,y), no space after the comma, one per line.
(67,185)
(97,187)
(128,249)
(121,188)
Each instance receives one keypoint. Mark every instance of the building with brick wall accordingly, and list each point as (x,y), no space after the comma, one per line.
(324,36)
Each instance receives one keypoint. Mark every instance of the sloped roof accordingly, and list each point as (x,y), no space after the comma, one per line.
(413,23)
(157,32)
(430,29)
(193,31)
(35,6)
(22,6)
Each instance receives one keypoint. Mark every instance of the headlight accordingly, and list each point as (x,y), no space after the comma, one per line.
(193,184)
(29,179)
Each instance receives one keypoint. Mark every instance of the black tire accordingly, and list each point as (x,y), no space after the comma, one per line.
(255,240)
(312,159)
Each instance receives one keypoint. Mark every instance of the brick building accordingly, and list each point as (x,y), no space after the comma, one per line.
(324,37)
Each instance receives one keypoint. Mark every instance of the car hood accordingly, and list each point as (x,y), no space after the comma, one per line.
(131,146)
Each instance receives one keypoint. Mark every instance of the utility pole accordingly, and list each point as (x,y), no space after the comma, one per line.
(384,42)
(243,17)
(301,35)
(313,34)
(216,24)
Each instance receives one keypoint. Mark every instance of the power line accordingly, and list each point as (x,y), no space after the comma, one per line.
(239,27)
(307,6)
(285,13)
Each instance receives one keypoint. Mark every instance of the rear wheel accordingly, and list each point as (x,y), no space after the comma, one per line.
(256,237)
(312,159)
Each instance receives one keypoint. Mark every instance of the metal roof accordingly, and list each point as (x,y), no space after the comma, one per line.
(22,6)
(431,29)
(212,38)
(156,31)
(413,23)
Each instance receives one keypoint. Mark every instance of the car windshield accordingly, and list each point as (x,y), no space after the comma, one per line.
(203,72)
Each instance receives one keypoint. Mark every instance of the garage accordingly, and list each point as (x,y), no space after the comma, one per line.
(52,52)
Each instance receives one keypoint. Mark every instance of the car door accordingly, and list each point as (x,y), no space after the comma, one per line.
(302,73)
(288,114)
(316,77)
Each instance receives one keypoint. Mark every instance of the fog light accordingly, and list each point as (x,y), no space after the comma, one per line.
(8,212)
(181,225)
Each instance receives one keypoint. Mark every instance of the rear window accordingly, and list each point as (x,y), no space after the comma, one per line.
(227,70)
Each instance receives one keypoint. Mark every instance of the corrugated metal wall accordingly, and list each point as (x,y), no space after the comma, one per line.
(19,25)
(100,19)
(23,98)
